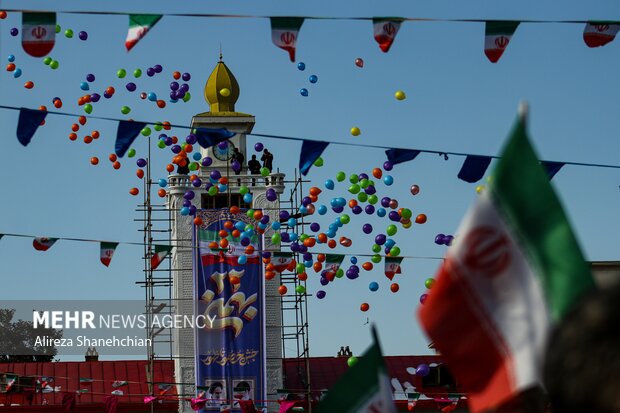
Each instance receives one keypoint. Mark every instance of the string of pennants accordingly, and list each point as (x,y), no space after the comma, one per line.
(473,169)
(38,30)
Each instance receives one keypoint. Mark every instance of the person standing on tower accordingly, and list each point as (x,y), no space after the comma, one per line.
(267,159)
(254,167)
(237,156)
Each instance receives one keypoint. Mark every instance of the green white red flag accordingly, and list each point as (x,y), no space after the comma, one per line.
(139,26)
(107,251)
(332,265)
(385,30)
(281,260)
(497,35)
(597,34)
(365,387)
(392,266)
(43,243)
(161,251)
(514,272)
(284,33)
(38,33)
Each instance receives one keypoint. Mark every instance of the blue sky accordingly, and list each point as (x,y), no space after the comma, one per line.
(457,101)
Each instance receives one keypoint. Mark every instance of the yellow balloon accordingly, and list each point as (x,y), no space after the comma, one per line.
(479,189)
(355,131)
(407,224)
(400,95)
(225,92)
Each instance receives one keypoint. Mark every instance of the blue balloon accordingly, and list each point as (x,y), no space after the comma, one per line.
(388,180)
(11,58)
(17,73)
(163,182)
(275,225)
(242,259)
(303,91)
(322,210)
(331,233)
(247,198)
(197,156)
(390,243)
(152,96)
(373,286)
(353,260)
(222,188)
(308,263)
(303,210)
(381,212)
(240,225)
(329,184)
(185,211)
(84,86)
(301,66)
(313,79)
(293,237)
(291,222)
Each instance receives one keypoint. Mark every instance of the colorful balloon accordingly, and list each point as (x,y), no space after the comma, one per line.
(359,62)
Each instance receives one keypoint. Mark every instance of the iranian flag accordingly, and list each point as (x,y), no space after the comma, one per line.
(43,243)
(392,266)
(332,265)
(284,33)
(515,271)
(139,26)
(281,260)
(107,251)
(385,30)
(497,35)
(598,34)
(365,387)
(161,251)
(38,33)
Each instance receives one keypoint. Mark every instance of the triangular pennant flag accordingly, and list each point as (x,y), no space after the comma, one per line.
(515,272)
(332,265)
(284,33)
(286,405)
(552,168)
(107,251)
(247,406)
(10,382)
(1,235)
(392,266)
(396,156)
(43,243)
(385,30)
(197,403)
(497,35)
(149,399)
(110,404)
(365,387)
(474,168)
(412,400)
(125,135)
(310,152)
(119,383)
(281,260)
(161,251)
(139,26)
(38,33)
(27,124)
(207,137)
(597,34)
(86,380)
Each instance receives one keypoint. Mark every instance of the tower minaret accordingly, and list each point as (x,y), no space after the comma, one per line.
(221,93)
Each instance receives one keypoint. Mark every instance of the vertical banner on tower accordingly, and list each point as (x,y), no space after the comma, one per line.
(228,291)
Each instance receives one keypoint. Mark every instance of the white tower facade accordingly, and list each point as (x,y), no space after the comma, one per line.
(221,92)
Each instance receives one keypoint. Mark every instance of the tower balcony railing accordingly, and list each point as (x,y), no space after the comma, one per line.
(179,183)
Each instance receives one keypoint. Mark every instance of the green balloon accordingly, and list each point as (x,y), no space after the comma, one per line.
(54,65)
(212,190)
(132,152)
(121,73)
(373,199)
(345,219)
(69,33)
(354,189)
(187,97)
(318,162)
(391,229)
(395,251)
(428,283)
(158,126)
(250,213)
(376,248)
(303,237)
(275,238)
(161,144)
(243,190)
(58,28)
(137,73)
(264,171)
(193,166)
(146,131)
(406,213)
(362,197)
(340,273)
(376,258)
(353,178)
(300,267)
(248,227)
(340,176)
(125,110)
(364,183)
(351,361)
(47,60)
(300,289)
(88,108)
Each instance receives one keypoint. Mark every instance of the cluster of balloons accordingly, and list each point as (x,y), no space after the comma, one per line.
(312,79)
(441,239)
(428,283)
(12,67)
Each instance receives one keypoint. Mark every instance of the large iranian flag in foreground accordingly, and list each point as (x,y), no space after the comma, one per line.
(365,387)
(515,271)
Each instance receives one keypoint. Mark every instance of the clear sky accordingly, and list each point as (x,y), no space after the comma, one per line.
(457,101)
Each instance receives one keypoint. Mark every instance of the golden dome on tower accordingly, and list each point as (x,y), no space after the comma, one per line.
(222,89)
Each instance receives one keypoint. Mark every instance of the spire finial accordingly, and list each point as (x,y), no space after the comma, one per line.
(220,52)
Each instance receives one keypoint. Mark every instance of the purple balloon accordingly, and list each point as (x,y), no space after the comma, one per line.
(14,31)
(207,161)
(223,145)
(307,256)
(338,209)
(393,216)
(158,68)
(150,72)
(141,162)
(284,215)
(315,227)
(131,86)
(236,166)
(184,88)
(180,94)
(271,195)
(440,239)
(362,176)
(387,165)
(302,248)
(95,97)
(191,139)
(351,275)
(186,76)
(367,228)
(286,238)
(187,203)
(215,175)
(448,240)
(370,190)
(90,77)
(320,294)
(107,95)
(197,182)
(385,202)
(422,370)
(173,95)
(192,210)
(324,281)
(357,210)
(245,241)
(176,148)
(258,147)
(380,239)
(266,254)
(306,201)
(370,209)
(174,85)
(264,219)
(83,35)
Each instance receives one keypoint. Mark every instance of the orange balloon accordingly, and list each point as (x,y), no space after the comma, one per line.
(352,203)
(235,233)
(116,165)
(394,287)
(377,173)
(82,120)
(3,15)
(224,180)
(134,191)
(270,267)
(331,243)
(222,233)
(88,139)
(94,160)
(95,134)
(420,219)
(313,198)
(310,209)
(302,276)
(282,289)
(175,140)
(234,279)
(80,101)
(57,103)
(140,173)
(43,108)
(29,84)
(309,242)
(161,103)
(292,265)
(213,245)
(73,136)
(110,90)
(269,275)
(75,127)
(317,266)
(258,214)
(161,192)
(176,75)
(166,125)
(188,148)
(169,168)
(364,307)
(223,243)
(315,191)
(229,225)
(249,250)
(266,261)
(86,98)
(234,209)
(320,257)
(367,265)
(322,237)
(198,221)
